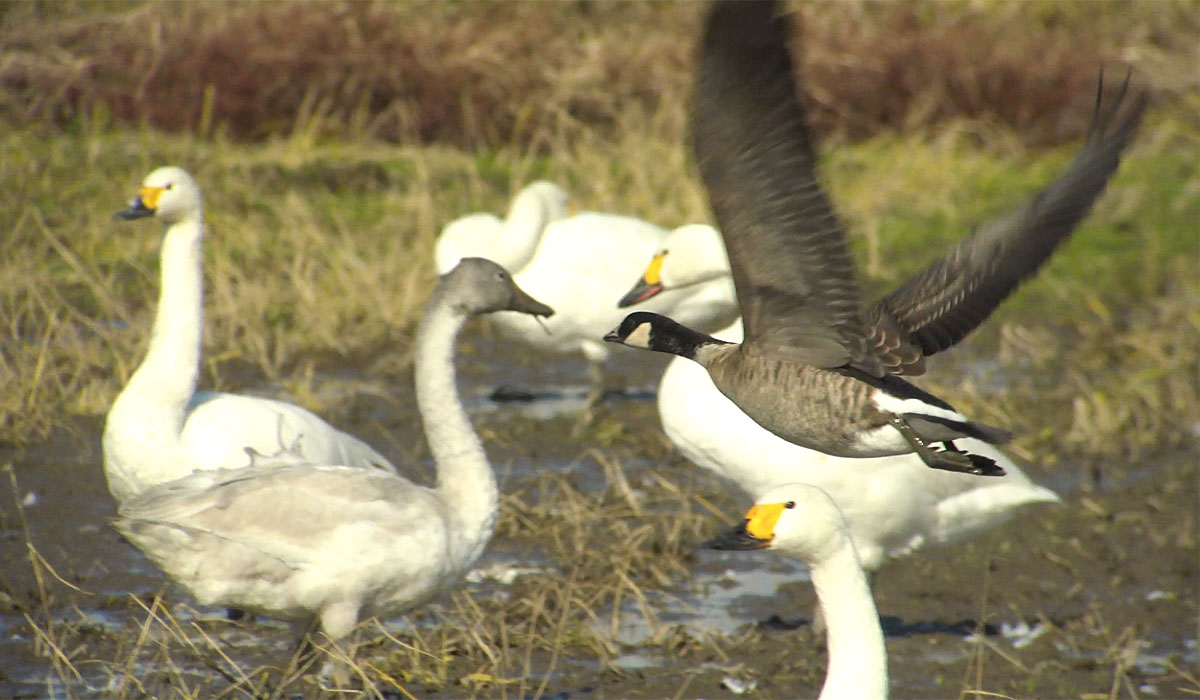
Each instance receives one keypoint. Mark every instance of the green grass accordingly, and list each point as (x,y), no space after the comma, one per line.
(318,252)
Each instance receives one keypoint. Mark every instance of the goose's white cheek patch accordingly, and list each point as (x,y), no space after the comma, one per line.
(640,337)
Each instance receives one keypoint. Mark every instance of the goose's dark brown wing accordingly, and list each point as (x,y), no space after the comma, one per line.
(939,306)
(791,264)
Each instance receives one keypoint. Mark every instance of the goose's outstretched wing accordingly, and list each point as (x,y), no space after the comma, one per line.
(788,252)
(939,306)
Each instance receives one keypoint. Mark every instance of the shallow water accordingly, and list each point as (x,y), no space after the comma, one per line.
(1069,580)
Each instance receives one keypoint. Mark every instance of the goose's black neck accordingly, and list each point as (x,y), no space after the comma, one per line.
(677,339)
(655,332)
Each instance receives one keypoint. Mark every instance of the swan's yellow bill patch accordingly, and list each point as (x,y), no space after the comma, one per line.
(150,195)
(761,519)
(654,269)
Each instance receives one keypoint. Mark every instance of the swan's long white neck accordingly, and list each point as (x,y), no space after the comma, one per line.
(465,479)
(857,657)
(522,230)
(148,415)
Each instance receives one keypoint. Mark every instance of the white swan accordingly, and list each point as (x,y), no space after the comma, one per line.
(578,264)
(160,428)
(802,521)
(337,544)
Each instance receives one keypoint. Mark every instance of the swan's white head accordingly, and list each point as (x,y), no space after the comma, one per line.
(691,255)
(796,519)
(167,193)
(480,286)
(544,196)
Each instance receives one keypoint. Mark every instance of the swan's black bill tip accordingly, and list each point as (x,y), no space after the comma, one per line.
(736,539)
(135,210)
(640,292)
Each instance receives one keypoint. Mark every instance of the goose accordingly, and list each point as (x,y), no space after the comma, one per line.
(894,506)
(160,428)
(577,264)
(801,520)
(329,545)
(814,368)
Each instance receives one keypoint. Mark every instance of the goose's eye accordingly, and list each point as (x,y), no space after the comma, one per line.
(789,505)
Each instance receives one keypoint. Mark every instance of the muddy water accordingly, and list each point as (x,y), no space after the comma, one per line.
(1097,596)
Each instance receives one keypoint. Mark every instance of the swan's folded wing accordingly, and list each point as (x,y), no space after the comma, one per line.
(939,306)
(283,513)
(788,252)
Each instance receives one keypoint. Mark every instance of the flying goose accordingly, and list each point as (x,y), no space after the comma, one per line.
(894,506)
(159,427)
(333,544)
(801,520)
(578,264)
(814,368)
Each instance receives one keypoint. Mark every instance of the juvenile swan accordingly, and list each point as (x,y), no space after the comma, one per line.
(578,264)
(815,368)
(160,428)
(801,521)
(334,543)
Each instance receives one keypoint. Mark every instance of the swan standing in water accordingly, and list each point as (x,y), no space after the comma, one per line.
(335,544)
(800,520)
(159,427)
(577,264)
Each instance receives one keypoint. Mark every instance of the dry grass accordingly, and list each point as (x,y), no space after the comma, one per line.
(623,539)
(318,251)
(502,73)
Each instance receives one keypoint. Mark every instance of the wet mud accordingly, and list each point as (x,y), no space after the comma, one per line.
(1096,598)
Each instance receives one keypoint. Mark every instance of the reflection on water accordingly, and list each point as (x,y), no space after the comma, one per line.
(730,592)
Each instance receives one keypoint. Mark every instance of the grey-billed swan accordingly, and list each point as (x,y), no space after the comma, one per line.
(577,264)
(337,544)
(815,368)
(159,427)
(800,520)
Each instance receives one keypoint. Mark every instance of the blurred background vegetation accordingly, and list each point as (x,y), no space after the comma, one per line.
(529,74)
(334,139)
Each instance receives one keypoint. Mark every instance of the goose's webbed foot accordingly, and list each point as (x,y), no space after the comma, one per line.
(950,458)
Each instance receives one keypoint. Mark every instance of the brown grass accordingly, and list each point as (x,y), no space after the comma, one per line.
(495,73)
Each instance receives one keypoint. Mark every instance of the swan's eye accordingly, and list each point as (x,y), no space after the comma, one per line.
(169,185)
(789,505)
(501,275)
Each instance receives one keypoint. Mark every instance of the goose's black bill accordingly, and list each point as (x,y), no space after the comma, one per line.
(737,539)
